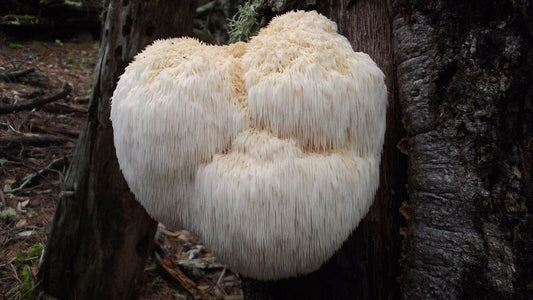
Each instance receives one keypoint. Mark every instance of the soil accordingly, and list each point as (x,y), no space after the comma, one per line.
(32,170)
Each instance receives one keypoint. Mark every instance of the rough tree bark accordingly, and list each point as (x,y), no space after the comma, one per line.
(100,235)
(465,84)
(367,266)
(466,87)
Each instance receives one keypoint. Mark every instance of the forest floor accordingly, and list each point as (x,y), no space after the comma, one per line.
(36,148)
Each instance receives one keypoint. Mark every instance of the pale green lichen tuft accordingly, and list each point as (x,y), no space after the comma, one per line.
(244,24)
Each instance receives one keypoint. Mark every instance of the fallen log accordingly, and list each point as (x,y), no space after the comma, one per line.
(35,102)
(15,75)
(33,139)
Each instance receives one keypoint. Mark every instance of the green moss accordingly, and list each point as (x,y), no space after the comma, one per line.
(15,46)
(88,89)
(26,286)
(35,251)
(32,253)
(26,289)
(74,4)
(21,20)
(8,215)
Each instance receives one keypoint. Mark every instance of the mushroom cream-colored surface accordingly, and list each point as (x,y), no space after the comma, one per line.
(268,150)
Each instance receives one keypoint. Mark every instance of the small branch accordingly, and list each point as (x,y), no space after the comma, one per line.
(15,75)
(2,198)
(57,131)
(28,179)
(220,280)
(82,100)
(62,108)
(173,270)
(33,139)
(35,102)
(15,275)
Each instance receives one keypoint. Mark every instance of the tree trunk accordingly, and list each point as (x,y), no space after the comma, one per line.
(462,73)
(466,88)
(100,235)
(366,267)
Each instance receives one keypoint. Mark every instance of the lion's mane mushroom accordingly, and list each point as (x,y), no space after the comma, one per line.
(268,150)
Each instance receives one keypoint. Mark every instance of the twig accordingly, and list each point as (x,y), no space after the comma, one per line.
(15,273)
(2,198)
(28,179)
(82,100)
(35,102)
(173,270)
(61,131)
(64,108)
(12,61)
(14,75)
(9,61)
(33,139)
(35,171)
(220,279)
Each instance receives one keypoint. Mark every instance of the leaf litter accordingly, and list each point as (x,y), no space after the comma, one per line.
(36,148)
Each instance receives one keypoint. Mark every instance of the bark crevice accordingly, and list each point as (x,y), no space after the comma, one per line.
(468,117)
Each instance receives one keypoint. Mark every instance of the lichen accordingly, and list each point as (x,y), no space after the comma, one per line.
(244,23)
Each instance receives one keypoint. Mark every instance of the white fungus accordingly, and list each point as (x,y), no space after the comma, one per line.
(268,150)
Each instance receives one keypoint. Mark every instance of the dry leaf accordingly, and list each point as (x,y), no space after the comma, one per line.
(26,233)
(21,223)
